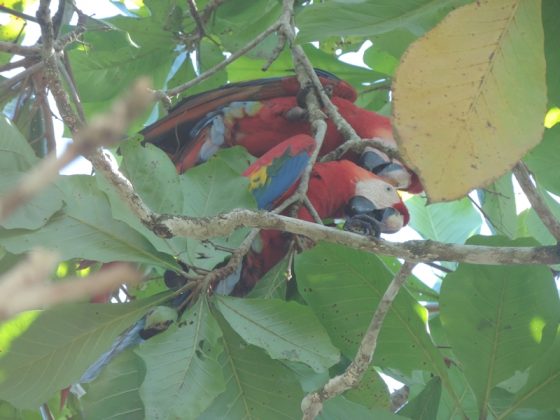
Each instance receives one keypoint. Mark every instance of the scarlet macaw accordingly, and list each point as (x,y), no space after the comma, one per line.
(338,189)
(261,114)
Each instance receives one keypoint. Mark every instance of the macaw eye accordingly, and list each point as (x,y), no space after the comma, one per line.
(373,161)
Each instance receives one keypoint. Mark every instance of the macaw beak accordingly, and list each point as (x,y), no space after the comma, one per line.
(364,218)
(380,164)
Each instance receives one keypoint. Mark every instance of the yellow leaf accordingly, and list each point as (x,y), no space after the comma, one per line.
(470,96)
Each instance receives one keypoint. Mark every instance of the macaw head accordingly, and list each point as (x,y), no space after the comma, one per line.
(374,206)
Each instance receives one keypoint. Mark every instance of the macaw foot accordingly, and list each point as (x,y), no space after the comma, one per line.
(363,224)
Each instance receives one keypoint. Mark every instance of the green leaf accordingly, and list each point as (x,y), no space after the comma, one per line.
(542,160)
(111,62)
(286,330)
(452,222)
(543,386)
(59,346)
(114,394)
(344,286)
(483,319)
(370,17)
(342,408)
(86,229)
(36,212)
(465,405)
(15,153)
(371,392)
(498,205)
(209,189)
(231,24)
(425,405)
(183,374)
(551,9)
(274,283)
(153,175)
(257,387)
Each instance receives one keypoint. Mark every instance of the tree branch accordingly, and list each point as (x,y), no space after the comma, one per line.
(416,250)
(312,404)
(25,287)
(18,14)
(537,200)
(12,48)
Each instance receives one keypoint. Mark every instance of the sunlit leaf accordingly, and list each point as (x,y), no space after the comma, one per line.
(466,109)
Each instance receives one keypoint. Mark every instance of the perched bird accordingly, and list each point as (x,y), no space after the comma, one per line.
(367,203)
(262,113)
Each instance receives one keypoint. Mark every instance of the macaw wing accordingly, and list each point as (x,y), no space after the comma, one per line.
(272,175)
(170,131)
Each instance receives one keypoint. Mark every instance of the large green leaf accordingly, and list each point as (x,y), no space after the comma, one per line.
(342,408)
(213,188)
(425,405)
(543,162)
(484,320)
(551,9)
(15,153)
(371,392)
(543,386)
(111,62)
(183,374)
(452,222)
(86,229)
(114,394)
(59,346)
(343,287)
(498,205)
(274,283)
(153,175)
(36,212)
(257,387)
(286,330)
(370,17)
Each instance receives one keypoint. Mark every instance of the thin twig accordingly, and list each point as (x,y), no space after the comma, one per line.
(18,14)
(211,71)
(21,76)
(312,404)
(537,200)
(41,92)
(193,9)
(358,147)
(66,72)
(24,62)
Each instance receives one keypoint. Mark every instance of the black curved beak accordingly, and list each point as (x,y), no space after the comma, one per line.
(365,219)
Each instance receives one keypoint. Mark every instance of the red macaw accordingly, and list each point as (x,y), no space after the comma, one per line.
(338,189)
(261,114)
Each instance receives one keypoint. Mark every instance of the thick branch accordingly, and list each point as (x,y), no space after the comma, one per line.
(12,48)
(537,200)
(312,404)
(417,250)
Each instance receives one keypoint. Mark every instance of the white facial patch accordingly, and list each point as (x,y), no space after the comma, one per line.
(380,193)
